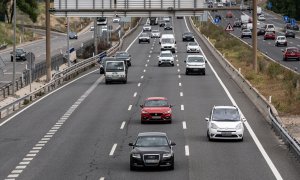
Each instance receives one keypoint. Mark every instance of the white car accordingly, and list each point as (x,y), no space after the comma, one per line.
(195,64)
(225,122)
(146,27)
(281,40)
(270,27)
(155,34)
(116,20)
(192,47)
(261,17)
(220,4)
(92,28)
(165,57)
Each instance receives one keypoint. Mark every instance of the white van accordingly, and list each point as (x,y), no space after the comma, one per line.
(270,27)
(167,42)
(115,71)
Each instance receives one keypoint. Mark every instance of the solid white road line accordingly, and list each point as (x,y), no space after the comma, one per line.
(113,149)
(129,108)
(133,41)
(187,150)
(134,95)
(122,125)
(184,125)
(254,137)
(182,107)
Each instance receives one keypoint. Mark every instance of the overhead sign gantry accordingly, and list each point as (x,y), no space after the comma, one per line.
(130,8)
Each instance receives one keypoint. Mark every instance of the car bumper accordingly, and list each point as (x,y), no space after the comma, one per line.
(165,162)
(160,118)
(195,70)
(217,134)
(144,40)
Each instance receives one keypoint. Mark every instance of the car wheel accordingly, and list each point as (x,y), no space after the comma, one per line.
(158,64)
(142,122)
(293,36)
(132,168)
(241,140)
(284,59)
(208,137)
(204,73)
(186,73)
(298,58)
(172,164)
(172,64)
(139,42)
(125,81)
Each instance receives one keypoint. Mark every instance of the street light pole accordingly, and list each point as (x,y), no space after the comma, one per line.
(14,50)
(254,35)
(68,41)
(48,45)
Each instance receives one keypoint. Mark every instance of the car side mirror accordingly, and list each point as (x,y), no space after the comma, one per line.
(130,144)
(141,106)
(184,61)
(173,144)
(207,119)
(244,119)
(157,56)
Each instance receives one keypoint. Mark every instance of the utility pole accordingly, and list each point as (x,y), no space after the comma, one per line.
(95,37)
(254,34)
(14,49)
(48,46)
(68,41)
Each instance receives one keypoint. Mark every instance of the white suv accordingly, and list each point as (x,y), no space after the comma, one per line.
(195,64)
(225,122)
(281,40)
(165,57)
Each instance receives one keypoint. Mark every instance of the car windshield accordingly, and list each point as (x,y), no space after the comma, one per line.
(281,38)
(115,66)
(168,40)
(188,34)
(166,55)
(144,35)
(195,59)
(156,103)
(19,51)
(151,141)
(193,44)
(292,50)
(225,115)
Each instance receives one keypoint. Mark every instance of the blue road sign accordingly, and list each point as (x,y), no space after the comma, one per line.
(217,20)
(270,5)
(293,22)
(286,19)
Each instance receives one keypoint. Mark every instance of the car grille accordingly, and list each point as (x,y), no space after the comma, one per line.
(151,159)
(155,114)
(167,47)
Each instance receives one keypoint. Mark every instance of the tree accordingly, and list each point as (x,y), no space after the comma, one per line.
(27,6)
(290,8)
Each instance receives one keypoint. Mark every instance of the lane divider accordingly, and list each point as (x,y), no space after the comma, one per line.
(184,125)
(187,150)
(112,151)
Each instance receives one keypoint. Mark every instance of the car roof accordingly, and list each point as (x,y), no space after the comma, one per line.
(199,55)
(156,98)
(152,134)
(225,107)
(166,52)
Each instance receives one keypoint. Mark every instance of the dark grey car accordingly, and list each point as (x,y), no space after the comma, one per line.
(123,55)
(152,149)
(20,55)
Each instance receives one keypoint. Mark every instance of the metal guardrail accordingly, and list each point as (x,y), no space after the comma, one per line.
(267,110)
(59,78)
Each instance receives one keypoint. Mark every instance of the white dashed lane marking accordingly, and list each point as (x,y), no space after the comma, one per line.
(177,64)
(178,70)
(113,149)
(139,84)
(102,178)
(144,70)
(182,107)
(180,84)
(179,76)
(122,125)
(187,150)
(129,108)
(181,93)
(142,77)
(134,95)
(184,125)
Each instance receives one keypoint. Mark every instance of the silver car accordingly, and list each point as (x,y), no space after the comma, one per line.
(192,47)
(165,57)
(246,33)
(155,34)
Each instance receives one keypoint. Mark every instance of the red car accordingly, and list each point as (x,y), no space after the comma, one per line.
(156,109)
(229,14)
(291,53)
(269,35)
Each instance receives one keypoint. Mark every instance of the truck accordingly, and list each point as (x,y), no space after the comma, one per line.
(153,21)
(244,19)
(259,10)
(115,71)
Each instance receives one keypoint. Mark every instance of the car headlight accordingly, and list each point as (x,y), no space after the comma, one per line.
(168,112)
(213,126)
(144,112)
(167,155)
(22,54)
(135,155)
(239,126)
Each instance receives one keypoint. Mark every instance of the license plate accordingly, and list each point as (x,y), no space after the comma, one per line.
(151,161)
(156,117)
(226,134)
(196,69)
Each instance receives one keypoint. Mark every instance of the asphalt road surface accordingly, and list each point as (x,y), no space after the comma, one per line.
(82,130)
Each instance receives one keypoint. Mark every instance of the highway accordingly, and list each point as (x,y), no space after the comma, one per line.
(265,46)
(82,130)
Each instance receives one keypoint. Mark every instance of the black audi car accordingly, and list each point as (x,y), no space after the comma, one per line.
(188,36)
(290,33)
(152,149)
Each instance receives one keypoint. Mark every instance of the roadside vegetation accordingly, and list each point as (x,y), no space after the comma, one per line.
(271,79)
